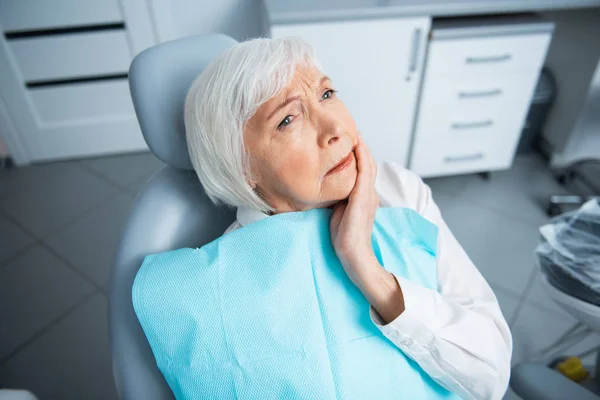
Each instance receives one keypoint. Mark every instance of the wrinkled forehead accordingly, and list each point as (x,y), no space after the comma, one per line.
(306,76)
(305,80)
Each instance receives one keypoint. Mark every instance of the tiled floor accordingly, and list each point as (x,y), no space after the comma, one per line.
(59,224)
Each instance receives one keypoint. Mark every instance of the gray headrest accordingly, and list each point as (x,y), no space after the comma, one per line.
(159,78)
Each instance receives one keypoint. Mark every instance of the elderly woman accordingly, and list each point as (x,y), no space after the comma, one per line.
(268,134)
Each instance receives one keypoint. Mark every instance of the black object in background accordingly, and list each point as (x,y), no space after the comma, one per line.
(543,97)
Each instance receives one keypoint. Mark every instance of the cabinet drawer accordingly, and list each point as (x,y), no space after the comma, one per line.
(69,56)
(469,153)
(82,101)
(451,106)
(27,15)
(487,55)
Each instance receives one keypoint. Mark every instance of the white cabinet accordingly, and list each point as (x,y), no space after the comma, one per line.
(377,66)
(477,88)
(63,86)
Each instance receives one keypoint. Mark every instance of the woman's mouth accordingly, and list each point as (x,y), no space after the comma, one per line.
(342,165)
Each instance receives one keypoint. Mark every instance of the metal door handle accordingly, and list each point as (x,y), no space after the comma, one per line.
(470,157)
(414,53)
(490,59)
(470,125)
(486,93)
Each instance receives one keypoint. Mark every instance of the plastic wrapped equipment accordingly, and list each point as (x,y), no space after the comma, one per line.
(569,252)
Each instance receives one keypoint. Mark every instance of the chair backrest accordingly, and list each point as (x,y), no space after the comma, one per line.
(171,211)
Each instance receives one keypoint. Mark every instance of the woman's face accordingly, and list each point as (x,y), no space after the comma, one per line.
(296,139)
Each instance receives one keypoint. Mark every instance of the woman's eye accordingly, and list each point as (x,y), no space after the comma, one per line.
(328,94)
(286,121)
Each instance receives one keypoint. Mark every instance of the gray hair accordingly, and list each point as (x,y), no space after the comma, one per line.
(221,101)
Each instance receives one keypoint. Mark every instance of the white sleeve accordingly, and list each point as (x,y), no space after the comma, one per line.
(457,335)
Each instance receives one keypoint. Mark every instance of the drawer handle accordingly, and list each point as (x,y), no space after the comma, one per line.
(470,157)
(471,125)
(414,54)
(485,93)
(491,59)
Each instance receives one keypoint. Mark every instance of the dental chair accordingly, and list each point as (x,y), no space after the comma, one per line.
(537,381)
(171,211)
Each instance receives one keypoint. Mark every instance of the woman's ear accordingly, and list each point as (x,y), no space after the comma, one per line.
(252,180)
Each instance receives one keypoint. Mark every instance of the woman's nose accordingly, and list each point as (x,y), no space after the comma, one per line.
(330,130)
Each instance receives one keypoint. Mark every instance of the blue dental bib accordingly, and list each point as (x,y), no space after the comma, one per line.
(268,312)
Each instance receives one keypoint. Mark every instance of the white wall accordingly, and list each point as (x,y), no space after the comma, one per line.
(240,19)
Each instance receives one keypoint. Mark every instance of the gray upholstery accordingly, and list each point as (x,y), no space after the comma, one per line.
(159,79)
(170,212)
(538,382)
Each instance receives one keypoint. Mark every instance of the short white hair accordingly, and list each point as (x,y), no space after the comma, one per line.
(222,100)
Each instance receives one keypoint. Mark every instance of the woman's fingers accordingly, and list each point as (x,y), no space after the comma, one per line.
(364,196)
(352,222)
(369,156)
(367,168)
(361,158)
(363,167)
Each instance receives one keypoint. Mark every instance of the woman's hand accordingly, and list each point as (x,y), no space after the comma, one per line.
(351,227)
(352,221)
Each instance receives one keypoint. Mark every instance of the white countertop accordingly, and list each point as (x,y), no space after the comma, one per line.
(296,11)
